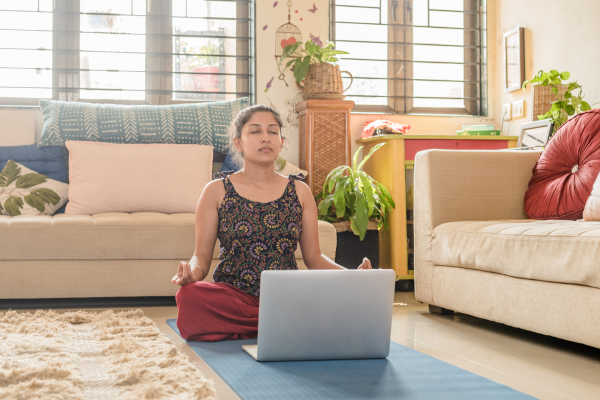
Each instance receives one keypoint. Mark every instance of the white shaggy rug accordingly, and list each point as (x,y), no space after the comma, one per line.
(82,355)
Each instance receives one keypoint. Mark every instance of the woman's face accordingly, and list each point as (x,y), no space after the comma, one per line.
(261,140)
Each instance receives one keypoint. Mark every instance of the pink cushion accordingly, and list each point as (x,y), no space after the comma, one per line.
(563,177)
(109,177)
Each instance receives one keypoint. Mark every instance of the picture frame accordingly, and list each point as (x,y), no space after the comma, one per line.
(514,59)
(535,135)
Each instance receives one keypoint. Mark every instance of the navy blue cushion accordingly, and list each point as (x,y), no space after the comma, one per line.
(230,165)
(50,161)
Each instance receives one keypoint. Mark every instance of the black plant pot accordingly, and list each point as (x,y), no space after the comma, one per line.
(350,250)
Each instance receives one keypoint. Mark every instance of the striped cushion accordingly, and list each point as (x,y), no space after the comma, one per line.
(196,123)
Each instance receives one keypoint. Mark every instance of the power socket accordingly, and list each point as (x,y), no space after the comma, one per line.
(507,111)
(518,109)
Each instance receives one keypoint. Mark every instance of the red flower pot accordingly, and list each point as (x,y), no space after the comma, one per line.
(206,83)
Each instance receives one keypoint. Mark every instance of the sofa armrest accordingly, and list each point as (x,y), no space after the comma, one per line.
(458,185)
(327,240)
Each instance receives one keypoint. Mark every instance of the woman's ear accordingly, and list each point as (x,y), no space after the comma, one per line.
(237,144)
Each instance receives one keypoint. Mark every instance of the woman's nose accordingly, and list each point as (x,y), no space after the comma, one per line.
(265,137)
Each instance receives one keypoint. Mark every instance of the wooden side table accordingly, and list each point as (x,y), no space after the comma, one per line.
(324,127)
(392,165)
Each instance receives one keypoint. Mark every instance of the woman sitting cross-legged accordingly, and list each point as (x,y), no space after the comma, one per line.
(259,217)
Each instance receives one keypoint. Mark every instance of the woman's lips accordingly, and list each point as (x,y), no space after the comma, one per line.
(266,149)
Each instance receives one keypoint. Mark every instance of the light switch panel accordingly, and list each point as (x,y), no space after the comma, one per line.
(518,109)
(507,111)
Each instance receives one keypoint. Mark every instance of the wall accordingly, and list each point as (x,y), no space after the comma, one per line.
(282,96)
(270,15)
(318,25)
(558,35)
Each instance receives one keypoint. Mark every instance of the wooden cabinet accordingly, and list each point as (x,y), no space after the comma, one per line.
(324,128)
(393,167)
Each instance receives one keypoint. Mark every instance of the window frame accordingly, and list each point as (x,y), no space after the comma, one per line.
(158,71)
(401,32)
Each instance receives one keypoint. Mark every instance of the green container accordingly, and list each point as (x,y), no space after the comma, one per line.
(478,128)
(494,132)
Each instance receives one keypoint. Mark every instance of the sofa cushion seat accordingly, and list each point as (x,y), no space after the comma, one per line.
(550,250)
(112,236)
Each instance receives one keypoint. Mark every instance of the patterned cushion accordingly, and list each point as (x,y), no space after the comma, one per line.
(26,192)
(197,123)
(50,161)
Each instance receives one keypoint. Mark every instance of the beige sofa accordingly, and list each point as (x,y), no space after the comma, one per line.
(477,253)
(103,255)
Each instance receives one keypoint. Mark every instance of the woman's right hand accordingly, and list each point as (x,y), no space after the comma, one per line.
(184,274)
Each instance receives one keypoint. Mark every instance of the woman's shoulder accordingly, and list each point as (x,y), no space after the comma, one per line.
(214,189)
(301,188)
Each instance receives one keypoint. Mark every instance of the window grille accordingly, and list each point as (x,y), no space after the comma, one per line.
(126,51)
(414,56)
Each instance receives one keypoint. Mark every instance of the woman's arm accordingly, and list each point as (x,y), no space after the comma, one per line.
(206,225)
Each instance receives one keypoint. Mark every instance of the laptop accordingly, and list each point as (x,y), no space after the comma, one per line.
(324,315)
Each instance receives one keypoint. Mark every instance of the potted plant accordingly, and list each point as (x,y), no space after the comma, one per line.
(359,207)
(206,63)
(315,66)
(563,103)
(102,20)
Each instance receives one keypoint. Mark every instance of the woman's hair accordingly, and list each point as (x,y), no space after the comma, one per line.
(235,131)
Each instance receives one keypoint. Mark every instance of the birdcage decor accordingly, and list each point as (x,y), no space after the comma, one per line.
(287,34)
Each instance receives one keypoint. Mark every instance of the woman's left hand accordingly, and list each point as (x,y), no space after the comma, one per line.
(366,264)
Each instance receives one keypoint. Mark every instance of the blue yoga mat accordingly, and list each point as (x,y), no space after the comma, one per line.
(404,374)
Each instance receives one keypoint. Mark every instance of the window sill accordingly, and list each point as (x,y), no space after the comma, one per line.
(17,106)
(419,114)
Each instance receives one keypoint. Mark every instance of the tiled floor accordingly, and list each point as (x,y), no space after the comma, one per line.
(541,366)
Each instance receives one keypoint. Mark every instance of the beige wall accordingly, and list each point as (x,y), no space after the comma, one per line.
(558,35)
(317,24)
(281,96)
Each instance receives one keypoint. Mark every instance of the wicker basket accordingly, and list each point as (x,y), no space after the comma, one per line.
(324,81)
(543,98)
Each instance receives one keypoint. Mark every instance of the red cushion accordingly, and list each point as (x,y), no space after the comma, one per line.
(565,173)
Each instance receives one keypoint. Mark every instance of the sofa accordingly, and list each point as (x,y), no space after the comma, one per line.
(103,255)
(477,253)
(110,254)
(116,254)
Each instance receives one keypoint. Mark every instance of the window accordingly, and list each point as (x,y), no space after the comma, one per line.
(415,56)
(134,51)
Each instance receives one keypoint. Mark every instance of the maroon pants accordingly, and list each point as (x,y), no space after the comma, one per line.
(213,311)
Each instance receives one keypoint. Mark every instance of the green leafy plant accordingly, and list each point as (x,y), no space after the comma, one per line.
(565,105)
(350,194)
(209,56)
(37,198)
(310,53)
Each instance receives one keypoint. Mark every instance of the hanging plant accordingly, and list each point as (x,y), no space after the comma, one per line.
(310,53)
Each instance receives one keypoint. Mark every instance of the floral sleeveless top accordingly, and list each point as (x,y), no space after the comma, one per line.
(255,237)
